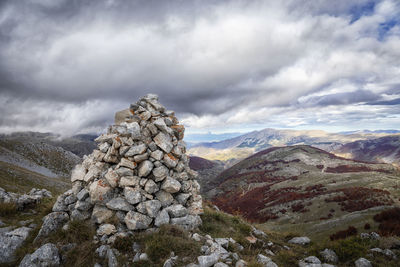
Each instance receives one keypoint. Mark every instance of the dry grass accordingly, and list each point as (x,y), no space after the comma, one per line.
(7,209)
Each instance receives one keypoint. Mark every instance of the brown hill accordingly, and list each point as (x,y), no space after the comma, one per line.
(304,185)
(385,149)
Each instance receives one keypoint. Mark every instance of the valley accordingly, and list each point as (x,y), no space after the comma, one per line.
(282,190)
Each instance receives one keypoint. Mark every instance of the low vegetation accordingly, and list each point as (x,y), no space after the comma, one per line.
(7,209)
(159,245)
(389,222)
(344,233)
(79,233)
(219,224)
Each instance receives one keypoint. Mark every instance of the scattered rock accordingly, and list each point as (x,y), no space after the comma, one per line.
(106,229)
(209,260)
(143,257)
(265,261)
(362,262)
(300,240)
(329,255)
(259,233)
(241,263)
(310,261)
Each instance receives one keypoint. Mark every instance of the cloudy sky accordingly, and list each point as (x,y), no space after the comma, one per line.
(224,66)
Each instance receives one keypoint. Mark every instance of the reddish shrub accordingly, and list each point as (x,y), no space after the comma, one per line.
(367,226)
(389,221)
(361,198)
(297,207)
(353,168)
(344,234)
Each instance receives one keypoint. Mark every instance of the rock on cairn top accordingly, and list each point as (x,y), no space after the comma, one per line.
(139,174)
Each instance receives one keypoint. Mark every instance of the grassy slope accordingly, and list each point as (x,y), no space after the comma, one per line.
(54,158)
(20,180)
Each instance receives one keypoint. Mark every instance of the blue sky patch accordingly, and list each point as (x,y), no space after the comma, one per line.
(359,11)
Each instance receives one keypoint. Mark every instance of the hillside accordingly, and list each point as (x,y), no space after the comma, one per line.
(207,171)
(80,145)
(245,145)
(384,149)
(306,188)
(34,151)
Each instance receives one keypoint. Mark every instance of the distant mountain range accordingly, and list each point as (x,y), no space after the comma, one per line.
(384,149)
(244,145)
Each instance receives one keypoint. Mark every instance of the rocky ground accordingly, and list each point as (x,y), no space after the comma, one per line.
(221,240)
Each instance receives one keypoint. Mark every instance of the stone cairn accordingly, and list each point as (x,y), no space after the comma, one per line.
(137,179)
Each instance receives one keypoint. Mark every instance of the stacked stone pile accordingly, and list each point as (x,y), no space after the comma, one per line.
(138,178)
(26,200)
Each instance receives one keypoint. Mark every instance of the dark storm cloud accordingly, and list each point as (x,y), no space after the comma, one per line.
(355,97)
(386,103)
(65,61)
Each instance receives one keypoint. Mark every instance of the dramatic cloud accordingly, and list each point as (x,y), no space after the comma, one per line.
(67,66)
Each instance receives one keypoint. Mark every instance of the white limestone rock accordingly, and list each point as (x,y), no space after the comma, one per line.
(171,185)
(137,221)
(132,195)
(164,142)
(145,168)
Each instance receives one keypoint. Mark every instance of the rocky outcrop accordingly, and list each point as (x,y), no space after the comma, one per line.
(10,242)
(138,178)
(26,200)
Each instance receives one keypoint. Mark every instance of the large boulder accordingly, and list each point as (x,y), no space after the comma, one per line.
(45,256)
(137,221)
(10,242)
(52,222)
